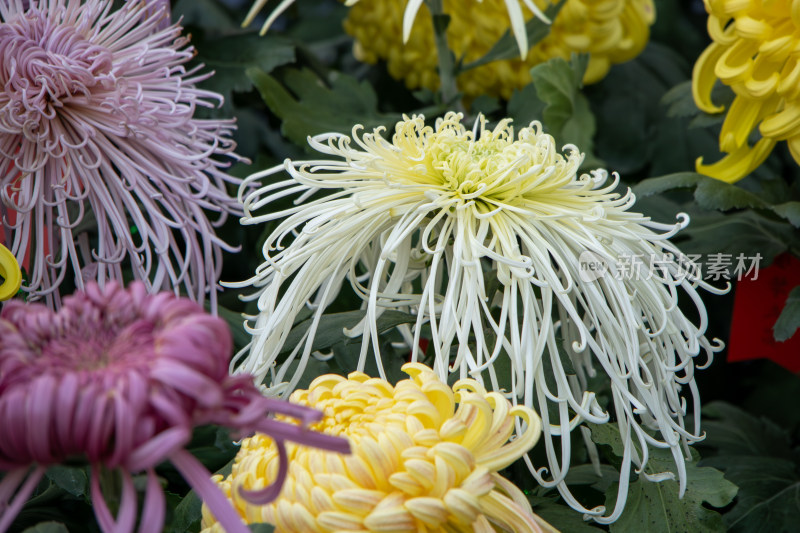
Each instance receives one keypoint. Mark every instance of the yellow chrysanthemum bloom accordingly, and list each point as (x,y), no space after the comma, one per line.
(9,274)
(425,458)
(612,31)
(755,52)
(513,8)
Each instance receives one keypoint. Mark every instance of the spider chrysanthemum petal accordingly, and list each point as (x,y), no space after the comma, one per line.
(481,234)
(101,158)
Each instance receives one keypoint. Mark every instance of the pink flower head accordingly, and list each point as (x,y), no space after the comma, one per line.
(120,377)
(101,158)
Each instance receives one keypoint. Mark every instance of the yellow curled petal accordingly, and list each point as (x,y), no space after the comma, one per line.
(358,501)
(750,28)
(703,78)
(503,457)
(430,511)
(736,63)
(794,148)
(719,30)
(790,79)
(783,124)
(738,164)
(739,123)
(462,504)
(10,272)
(505,511)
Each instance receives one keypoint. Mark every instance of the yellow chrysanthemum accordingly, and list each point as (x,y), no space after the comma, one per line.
(755,52)
(425,458)
(9,274)
(612,31)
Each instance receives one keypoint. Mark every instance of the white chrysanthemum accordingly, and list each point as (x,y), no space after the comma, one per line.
(514,8)
(419,223)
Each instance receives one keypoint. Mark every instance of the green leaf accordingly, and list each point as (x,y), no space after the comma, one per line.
(187,515)
(506,47)
(734,432)
(47,527)
(230,56)
(756,454)
(716,194)
(709,192)
(525,106)
(790,211)
(70,478)
(746,232)
(236,322)
(656,507)
(308,106)
(789,319)
(560,516)
(331,328)
(203,13)
(566,114)
(680,101)
(769,492)
(661,184)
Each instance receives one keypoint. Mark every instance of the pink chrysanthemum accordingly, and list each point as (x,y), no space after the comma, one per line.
(120,378)
(101,158)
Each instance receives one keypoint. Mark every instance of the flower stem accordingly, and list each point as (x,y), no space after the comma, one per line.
(447,67)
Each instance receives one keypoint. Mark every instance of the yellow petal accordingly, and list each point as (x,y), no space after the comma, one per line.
(463,505)
(508,514)
(358,501)
(391,516)
(736,63)
(739,123)
(337,520)
(405,482)
(430,511)
(703,78)
(738,164)
(10,272)
(750,28)
(794,148)
(783,124)
(719,30)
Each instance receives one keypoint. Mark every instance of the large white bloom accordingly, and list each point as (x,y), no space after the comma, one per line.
(419,222)
(514,8)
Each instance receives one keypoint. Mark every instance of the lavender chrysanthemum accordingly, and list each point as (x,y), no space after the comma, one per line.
(101,158)
(121,378)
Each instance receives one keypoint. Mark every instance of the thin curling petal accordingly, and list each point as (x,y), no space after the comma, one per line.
(410,13)
(104,167)
(111,377)
(395,439)
(414,220)
(10,273)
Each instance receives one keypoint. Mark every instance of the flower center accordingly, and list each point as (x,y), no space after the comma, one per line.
(44,66)
(97,347)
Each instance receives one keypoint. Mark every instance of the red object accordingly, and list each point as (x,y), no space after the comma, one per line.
(756,306)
